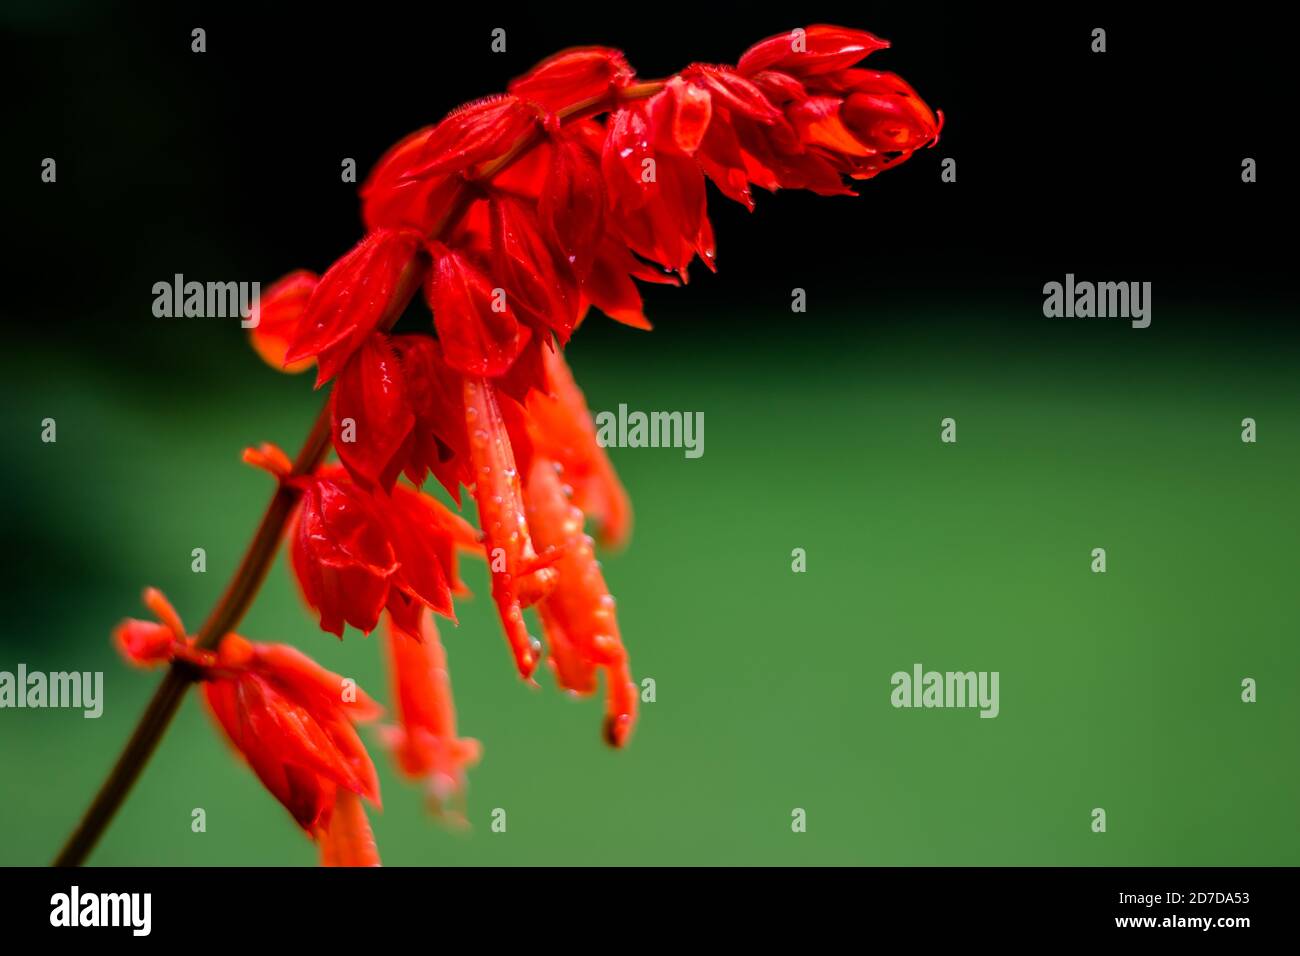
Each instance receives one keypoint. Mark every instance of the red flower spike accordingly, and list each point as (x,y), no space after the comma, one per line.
(341,555)
(818,49)
(476,326)
(353,297)
(279,315)
(524,210)
(348,839)
(371,414)
(519,576)
(578,614)
(580,75)
(472,134)
(562,430)
(424,741)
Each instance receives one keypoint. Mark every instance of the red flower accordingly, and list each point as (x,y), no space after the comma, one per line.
(517,213)
(425,740)
(356,553)
(520,576)
(287,716)
(578,613)
(562,429)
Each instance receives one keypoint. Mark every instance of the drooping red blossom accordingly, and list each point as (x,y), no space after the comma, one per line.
(562,429)
(289,718)
(424,740)
(520,576)
(578,612)
(356,553)
(516,214)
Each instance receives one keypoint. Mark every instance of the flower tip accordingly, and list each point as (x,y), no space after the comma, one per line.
(617,729)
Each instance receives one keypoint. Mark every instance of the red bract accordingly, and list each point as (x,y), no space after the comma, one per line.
(288,717)
(517,213)
(574,77)
(473,134)
(282,307)
(476,325)
(370,282)
(808,52)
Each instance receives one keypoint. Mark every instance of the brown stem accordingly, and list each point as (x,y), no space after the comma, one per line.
(257,560)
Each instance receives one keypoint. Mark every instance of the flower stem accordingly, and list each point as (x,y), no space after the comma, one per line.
(225,616)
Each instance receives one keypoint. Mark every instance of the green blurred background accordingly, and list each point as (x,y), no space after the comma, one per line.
(1119,690)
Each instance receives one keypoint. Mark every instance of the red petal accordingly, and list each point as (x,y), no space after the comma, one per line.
(473,134)
(572,205)
(539,287)
(824,49)
(425,741)
(478,331)
(348,839)
(369,405)
(361,290)
(282,307)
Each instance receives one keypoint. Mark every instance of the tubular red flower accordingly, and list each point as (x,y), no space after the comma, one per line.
(348,839)
(520,577)
(578,613)
(424,740)
(562,429)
